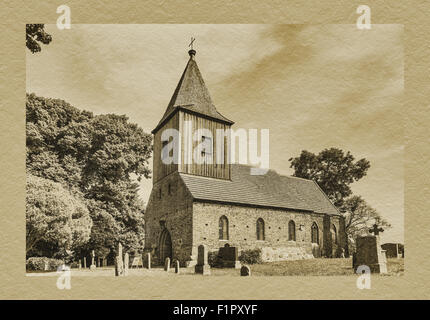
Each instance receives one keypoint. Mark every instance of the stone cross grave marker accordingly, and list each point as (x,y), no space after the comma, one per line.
(375,230)
(369,252)
(202,261)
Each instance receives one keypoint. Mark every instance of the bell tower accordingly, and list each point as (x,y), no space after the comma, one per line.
(202,142)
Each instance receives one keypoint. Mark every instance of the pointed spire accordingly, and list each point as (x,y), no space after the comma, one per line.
(191,94)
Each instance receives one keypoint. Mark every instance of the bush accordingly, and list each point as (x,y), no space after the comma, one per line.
(43,264)
(214,260)
(251,256)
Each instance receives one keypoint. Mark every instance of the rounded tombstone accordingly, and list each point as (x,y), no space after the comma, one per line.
(177,266)
(245,271)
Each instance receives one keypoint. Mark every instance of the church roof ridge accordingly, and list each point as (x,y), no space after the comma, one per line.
(191,94)
(269,190)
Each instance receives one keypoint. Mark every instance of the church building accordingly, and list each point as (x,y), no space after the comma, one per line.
(220,203)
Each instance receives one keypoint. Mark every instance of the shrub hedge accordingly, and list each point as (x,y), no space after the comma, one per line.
(43,264)
(251,256)
(214,260)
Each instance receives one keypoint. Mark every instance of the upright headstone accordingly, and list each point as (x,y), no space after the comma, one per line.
(202,265)
(229,257)
(148,260)
(85,262)
(92,266)
(369,252)
(177,269)
(316,251)
(119,264)
(79,264)
(245,271)
(167,264)
(126,263)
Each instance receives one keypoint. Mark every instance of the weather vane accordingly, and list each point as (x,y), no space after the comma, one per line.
(191,43)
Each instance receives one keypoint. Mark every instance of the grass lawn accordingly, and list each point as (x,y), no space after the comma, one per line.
(311,267)
(318,267)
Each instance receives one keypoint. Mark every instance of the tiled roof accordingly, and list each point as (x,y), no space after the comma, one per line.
(269,190)
(191,94)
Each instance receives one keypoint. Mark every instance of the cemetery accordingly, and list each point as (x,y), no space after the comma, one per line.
(368,252)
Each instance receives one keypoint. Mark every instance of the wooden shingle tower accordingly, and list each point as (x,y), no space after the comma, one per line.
(190,109)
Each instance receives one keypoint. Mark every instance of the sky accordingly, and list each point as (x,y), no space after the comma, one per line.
(312,86)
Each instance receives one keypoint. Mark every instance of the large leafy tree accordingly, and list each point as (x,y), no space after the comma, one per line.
(100,156)
(360,216)
(55,216)
(333,170)
(35,34)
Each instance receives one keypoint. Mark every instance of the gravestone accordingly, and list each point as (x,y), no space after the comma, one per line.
(79,264)
(119,263)
(85,262)
(167,264)
(202,265)
(316,250)
(245,271)
(92,266)
(229,257)
(148,260)
(369,252)
(137,261)
(392,250)
(126,263)
(177,266)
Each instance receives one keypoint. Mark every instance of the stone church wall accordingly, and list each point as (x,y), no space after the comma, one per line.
(243,234)
(174,212)
(191,224)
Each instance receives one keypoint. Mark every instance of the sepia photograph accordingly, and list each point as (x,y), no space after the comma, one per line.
(214,150)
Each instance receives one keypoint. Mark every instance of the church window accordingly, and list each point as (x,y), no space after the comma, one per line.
(314,233)
(334,234)
(165,152)
(169,189)
(291,231)
(207,146)
(159,193)
(223,228)
(260,229)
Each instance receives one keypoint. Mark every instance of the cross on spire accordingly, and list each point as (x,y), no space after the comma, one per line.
(191,43)
(375,230)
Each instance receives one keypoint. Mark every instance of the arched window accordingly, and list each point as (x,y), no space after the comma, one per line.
(334,233)
(223,228)
(260,229)
(314,233)
(291,231)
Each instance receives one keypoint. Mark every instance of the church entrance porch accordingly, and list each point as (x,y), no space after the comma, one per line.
(165,246)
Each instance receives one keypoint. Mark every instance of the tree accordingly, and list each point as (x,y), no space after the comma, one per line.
(360,216)
(35,34)
(99,156)
(332,169)
(54,216)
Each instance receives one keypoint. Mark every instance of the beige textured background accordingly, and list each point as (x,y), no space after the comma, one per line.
(14,284)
